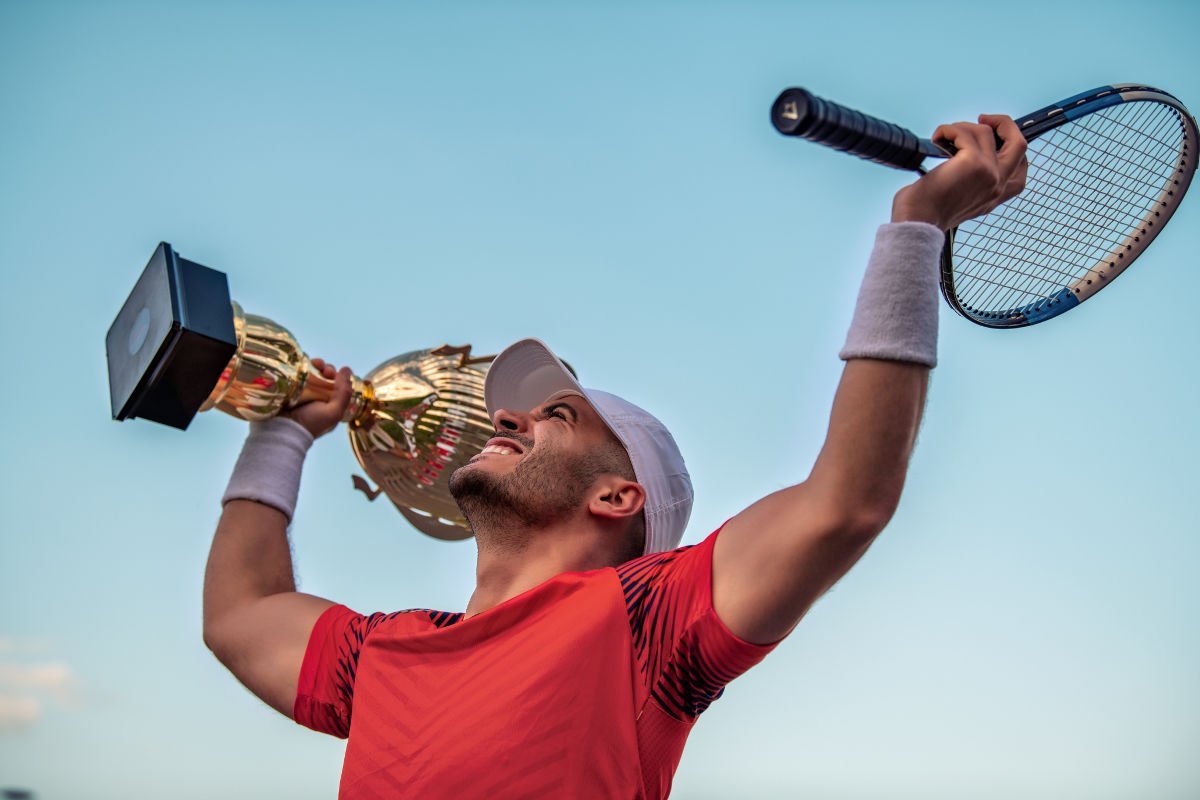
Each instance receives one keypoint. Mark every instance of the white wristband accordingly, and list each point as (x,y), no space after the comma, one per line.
(896,317)
(268,470)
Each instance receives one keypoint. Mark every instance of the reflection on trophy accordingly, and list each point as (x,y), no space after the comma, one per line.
(179,345)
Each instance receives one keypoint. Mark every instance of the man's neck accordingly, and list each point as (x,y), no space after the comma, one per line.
(508,566)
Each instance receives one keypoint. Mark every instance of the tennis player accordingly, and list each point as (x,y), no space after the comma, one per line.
(592,642)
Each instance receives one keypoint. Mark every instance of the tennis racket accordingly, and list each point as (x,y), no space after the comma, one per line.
(1107,169)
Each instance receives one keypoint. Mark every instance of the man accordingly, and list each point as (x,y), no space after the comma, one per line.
(591,644)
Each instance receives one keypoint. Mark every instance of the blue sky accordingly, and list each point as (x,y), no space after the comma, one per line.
(386,177)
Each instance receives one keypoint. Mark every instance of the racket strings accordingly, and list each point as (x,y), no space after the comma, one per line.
(1059,202)
(1064,167)
(1030,286)
(1092,183)
(999,241)
(1053,217)
(1168,145)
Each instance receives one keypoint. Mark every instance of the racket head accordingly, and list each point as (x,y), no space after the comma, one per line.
(1107,169)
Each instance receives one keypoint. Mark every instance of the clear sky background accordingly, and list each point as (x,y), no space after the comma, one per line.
(382,177)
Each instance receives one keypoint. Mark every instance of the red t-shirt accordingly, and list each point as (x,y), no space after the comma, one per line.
(584,686)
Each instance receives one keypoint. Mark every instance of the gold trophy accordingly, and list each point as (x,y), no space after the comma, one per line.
(180,345)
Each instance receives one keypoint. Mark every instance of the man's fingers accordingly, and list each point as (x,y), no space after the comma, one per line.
(341,387)
(954,133)
(1014,164)
(324,368)
(976,142)
(1016,183)
(1006,129)
(985,139)
(1012,154)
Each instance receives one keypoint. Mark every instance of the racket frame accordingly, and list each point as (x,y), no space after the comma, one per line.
(1045,120)
(797,112)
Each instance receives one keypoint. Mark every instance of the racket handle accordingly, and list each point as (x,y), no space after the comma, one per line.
(798,112)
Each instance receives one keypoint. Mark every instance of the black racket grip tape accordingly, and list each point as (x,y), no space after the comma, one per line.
(798,112)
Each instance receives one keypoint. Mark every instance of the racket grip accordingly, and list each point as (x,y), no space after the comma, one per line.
(798,112)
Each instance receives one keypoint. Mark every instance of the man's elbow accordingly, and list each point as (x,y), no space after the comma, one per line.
(865,525)
(217,638)
(212,639)
(862,522)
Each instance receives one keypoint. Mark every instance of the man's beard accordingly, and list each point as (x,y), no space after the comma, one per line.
(545,488)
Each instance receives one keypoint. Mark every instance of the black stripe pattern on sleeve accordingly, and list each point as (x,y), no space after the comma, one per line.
(349,648)
(441,619)
(649,612)
(356,633)
(690,680)
(681,676)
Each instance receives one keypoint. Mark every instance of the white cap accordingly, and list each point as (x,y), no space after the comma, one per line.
(528,374)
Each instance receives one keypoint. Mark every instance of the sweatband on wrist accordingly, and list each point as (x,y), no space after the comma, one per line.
(268,470)
(896,317)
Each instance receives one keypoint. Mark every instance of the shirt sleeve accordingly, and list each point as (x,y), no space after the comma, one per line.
(325,690)
(685,653)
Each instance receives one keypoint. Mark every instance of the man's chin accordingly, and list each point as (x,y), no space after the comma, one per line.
(460,478)
(471,480)
(481,496)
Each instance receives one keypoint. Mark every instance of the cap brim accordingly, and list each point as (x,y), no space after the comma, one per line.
(525,375)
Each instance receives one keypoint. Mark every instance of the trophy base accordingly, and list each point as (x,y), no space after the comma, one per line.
(170,341)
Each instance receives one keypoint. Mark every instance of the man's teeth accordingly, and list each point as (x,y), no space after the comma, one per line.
(498,450)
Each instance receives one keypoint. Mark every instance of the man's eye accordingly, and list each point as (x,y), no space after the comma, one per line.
(556,411)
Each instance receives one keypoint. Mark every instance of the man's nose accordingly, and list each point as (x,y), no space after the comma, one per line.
(513,421)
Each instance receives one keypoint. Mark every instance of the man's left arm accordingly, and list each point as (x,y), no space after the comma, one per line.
(776,558)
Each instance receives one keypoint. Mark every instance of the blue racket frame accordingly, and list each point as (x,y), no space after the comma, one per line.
(1038,124)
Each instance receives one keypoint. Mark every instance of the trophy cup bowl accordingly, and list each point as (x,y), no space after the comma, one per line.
(180,345)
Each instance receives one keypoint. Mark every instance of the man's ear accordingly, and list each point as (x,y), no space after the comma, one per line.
(615,498)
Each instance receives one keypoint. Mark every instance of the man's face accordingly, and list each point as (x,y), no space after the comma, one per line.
(536,470)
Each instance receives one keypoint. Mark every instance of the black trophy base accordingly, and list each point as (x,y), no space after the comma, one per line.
(170,341)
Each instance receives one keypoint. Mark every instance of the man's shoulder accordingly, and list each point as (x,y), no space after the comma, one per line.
(646,567)
(409,620)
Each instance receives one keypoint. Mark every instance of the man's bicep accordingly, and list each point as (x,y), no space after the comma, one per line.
(264,642)
(776,558)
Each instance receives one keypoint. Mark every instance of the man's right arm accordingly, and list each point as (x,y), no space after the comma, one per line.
(255,621)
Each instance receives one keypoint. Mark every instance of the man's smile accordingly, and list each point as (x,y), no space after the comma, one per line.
(502,446)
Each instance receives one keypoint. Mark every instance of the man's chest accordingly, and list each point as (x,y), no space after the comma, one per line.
(530,685)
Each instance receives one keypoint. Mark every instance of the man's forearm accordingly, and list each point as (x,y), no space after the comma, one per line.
(250,559)
(872,429)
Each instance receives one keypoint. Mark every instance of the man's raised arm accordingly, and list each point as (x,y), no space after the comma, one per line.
(773,560)
(255,621)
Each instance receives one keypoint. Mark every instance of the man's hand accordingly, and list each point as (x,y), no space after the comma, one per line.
(977,179)
(321,416)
